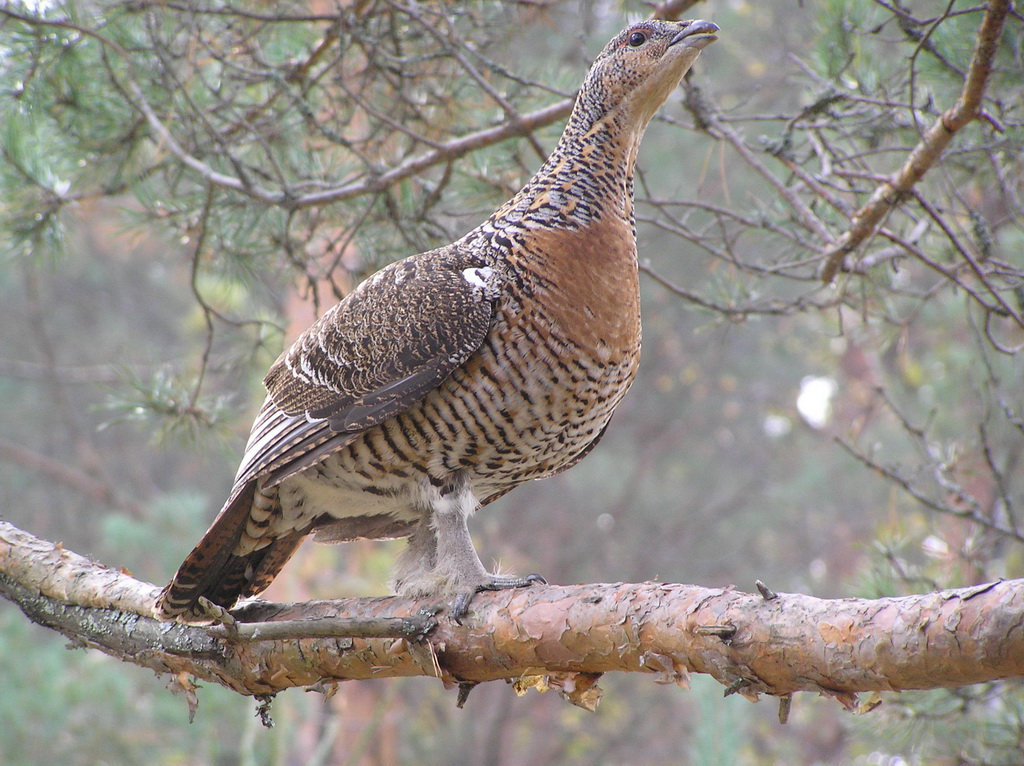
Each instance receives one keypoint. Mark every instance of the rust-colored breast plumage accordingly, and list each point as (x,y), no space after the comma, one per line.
(587,286)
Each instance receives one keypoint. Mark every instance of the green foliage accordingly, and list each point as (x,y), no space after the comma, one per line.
(81,708)
(719,729)
(141,303)
(975,725)
(169,404)
(140,538)
(32,182)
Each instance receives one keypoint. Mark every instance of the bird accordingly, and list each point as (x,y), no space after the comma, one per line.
(448,378)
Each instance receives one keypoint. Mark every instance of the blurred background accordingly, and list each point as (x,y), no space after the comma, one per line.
(859,439)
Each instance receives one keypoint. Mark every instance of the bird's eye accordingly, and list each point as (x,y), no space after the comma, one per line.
(637,39)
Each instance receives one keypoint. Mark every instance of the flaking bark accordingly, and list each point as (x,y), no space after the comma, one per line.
(560,636)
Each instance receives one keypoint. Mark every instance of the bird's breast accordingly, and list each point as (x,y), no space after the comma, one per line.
(561,353)
(584,286)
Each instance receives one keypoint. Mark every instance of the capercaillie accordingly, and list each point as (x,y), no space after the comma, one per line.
(450,377)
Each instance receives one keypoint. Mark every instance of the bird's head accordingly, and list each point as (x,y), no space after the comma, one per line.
(642,65)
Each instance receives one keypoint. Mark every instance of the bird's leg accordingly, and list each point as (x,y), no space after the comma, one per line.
(441,556)
(417,561)
(458,564)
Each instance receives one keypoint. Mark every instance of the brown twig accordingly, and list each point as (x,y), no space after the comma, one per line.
(928,151)
(671,10)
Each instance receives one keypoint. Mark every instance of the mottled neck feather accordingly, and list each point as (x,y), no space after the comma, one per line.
(589,175)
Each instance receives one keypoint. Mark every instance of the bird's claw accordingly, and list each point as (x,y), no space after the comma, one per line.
(460,605)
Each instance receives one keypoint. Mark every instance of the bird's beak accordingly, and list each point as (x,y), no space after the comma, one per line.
(697,34)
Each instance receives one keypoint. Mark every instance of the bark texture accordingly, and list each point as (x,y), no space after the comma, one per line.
(552,636)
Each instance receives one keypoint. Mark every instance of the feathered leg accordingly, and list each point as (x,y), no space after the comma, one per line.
(440,557)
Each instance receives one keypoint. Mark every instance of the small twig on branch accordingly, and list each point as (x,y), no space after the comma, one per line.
(412,627)
(928,151)
(766,593)
(785,706)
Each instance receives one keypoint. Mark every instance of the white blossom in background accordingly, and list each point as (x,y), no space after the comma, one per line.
(935,547)
(814,402)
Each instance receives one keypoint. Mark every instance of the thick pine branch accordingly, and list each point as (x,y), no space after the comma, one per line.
(565,635)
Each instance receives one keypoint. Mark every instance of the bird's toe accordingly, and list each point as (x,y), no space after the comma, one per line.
(463,599)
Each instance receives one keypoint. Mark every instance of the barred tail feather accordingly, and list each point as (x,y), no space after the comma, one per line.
(213,570)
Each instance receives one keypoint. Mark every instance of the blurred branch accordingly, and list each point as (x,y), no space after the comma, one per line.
(515,125)
(671,10)
(966,511)
(444,153)
(928,151)
(708,117)
(558,636)
(53,470)
(733,312)
(66,374)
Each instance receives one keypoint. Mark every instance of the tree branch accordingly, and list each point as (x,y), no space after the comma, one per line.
(562,636)
(61,473)
(515,125)
(928,151)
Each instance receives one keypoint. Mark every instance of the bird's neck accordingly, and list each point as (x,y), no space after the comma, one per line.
(588,176)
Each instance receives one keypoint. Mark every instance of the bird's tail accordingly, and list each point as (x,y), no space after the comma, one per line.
(216,571)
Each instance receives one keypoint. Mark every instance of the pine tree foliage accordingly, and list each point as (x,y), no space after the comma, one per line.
(177,179)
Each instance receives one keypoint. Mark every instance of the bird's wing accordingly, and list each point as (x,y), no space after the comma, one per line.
(382,349)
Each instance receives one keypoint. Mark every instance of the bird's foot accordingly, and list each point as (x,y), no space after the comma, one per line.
(460,605)
(205,612)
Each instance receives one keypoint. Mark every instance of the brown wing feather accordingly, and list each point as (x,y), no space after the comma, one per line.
(379,351)
(382,349)
(423,312)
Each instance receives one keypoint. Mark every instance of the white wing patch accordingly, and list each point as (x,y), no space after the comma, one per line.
(479,277)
